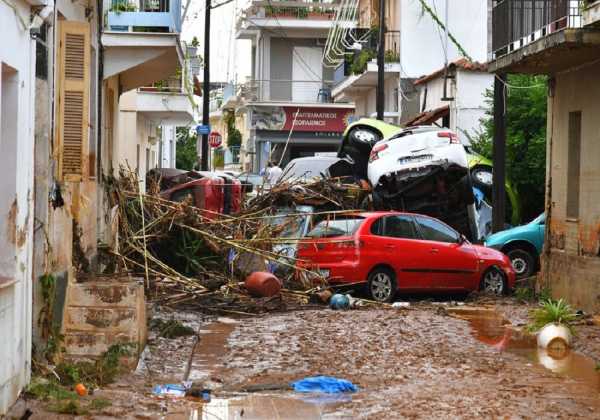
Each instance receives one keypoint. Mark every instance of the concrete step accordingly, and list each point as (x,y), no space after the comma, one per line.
(101,313)
(84,318)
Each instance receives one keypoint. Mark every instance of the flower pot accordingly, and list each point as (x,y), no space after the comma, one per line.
(262,284)
(555,338)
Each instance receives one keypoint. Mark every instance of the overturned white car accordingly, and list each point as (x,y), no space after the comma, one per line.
(424,170)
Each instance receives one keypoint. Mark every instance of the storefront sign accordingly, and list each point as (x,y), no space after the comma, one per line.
(285,118)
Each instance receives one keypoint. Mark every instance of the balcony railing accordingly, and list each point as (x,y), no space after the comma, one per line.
(284,10)
(516,23)
(143,15)
(356,61)
(296,91)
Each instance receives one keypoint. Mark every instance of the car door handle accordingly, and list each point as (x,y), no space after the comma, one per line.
(434,250)
(390,246)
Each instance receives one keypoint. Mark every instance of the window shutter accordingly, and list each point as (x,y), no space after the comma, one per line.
(73,100)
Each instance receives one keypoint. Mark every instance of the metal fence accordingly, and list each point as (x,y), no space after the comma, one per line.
(149,6)
(517,22)
(309,91)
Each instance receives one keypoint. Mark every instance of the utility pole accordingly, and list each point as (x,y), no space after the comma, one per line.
(206,87)
(380,99)
(499,155)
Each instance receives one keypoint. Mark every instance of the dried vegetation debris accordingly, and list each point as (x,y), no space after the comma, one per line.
(188,255)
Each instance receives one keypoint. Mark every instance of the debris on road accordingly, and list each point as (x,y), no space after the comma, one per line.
(326,384)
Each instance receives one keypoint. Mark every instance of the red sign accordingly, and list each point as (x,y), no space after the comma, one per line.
(214,139)
(313,119)
(316,119)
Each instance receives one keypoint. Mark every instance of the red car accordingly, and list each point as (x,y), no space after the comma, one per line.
(392,252)
(216,193)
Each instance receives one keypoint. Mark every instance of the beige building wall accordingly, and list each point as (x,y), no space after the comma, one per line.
(137,143)
(572,258)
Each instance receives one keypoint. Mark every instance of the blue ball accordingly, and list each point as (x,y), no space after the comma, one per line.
(339,301)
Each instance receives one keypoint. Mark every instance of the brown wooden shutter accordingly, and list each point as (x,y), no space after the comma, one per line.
(73,100)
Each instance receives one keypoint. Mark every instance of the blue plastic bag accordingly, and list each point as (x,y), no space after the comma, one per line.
(327,384)
(173,390)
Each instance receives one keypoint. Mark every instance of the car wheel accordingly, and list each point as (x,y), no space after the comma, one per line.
(522,261)
(382,285)
(482,178)
(493,282)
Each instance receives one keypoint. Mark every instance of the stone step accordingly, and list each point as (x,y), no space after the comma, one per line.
(100,314)
(83,318)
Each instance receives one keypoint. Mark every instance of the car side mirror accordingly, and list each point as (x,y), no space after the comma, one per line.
(462,239)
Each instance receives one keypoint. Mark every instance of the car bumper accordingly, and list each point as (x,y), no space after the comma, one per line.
(338,273)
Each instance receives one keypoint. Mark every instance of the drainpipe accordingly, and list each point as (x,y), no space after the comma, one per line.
(99,92)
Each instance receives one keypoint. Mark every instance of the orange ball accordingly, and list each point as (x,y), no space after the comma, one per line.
(81,390)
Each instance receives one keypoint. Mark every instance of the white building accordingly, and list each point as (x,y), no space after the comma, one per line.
(17,98)
(289,90)
(454,99)
(414,46)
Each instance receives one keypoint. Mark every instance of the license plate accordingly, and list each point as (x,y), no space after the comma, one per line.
(414,159)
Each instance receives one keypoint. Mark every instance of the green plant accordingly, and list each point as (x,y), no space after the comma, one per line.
(526,294)
(67,407)
(234,137)
(302,13)
(186,155)
(391,56)
(120,7)
(553,311)
(195,43)
(360,61)
(526,108)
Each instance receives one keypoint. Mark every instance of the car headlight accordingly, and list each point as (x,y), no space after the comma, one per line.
(324,273)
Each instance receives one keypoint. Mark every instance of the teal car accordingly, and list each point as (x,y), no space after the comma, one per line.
(522,244)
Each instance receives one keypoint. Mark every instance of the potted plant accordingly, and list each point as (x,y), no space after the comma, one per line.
(553,324)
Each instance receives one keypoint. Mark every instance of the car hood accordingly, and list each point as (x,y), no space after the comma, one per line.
(507,235)
(486,253)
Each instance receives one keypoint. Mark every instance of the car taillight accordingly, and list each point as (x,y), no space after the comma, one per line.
(375,151)
(355,243)
(449,135)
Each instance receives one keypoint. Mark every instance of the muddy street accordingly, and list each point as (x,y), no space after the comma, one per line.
(427,361)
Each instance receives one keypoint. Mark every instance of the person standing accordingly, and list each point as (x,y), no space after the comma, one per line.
(273,173)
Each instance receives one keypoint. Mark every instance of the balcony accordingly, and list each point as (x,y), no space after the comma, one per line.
(358,73)
(160,16)
(301,15)
(591,12)
(540,36)
(166,103)
(286,91)
(141,41)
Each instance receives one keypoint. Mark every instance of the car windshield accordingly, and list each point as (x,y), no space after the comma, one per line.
(307,168)
(540,220)
(333,228)
(293,226)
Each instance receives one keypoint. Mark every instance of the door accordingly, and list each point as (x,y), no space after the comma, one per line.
(452,262)
(398,244)
(307,73)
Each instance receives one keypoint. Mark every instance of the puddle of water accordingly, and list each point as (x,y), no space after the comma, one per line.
(210,349)
(256,407)
(489,327)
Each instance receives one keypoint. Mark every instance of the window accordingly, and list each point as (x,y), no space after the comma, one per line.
(573,165)
(73,114)
(333,228)
(377,227)
(400,227)
(432,230)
